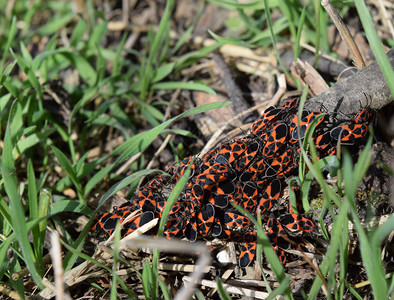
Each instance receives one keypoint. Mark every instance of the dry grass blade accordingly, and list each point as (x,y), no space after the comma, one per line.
(81,272)
(345,33)
(56,255)
(10,293)
(175,246)
(232,289)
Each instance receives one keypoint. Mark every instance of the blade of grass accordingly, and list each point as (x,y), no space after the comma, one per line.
(114,292)
(146,279)
(17,210)
(164,289)
(370,256)
(12,30)
(90,259)
(375,43)
(118,56)
(174,85)
(300,26)
(146,79)
(55,24)
(222,292)
(273,40)
(186,35)
(66,165)
(78,32)
(317,31)
(33,205)
(140,141)
(329,260)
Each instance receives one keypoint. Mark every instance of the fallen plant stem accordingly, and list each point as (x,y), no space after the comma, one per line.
(345,33)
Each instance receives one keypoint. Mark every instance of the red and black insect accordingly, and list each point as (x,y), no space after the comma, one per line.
(274,140)
(298,128)
(222,193)
(260,127)
(247,195)
(254,171)
(205,219)
(290,105)
(281,165)
(270,196)
(349,133)
(364,117)
(278,237)
(230,153)
(249,156)
(141,220)
(296,223)
(235,219)
(179,169)
(323,141)
(247,255)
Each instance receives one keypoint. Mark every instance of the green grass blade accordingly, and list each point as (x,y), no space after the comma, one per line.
(96,178)
(273,39)
(34,213)
(221,291)
(163,71)
(5,212)
(164,289)
(175,85)
(11,35)
(375,43)
(31,77)
(31,140)
(300,26)
(363,162)
(191,57)
(146,79)
(55,24)
(118,56)
(78,32)
(32,192)
(256,5)
(172,199)
(370,255)
(45,199)
(136,176)
(140,141)
(114,292)
(145,279)
(329,260)
(17,210)
(70,206)
(66,165)
(316,5)
(382,232)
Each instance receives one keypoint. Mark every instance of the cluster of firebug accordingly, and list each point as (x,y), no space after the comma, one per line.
(250,172)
